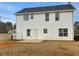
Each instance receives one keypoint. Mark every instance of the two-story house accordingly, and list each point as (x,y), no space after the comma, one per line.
(45,23)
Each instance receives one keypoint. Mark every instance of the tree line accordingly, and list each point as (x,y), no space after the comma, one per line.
(6,26)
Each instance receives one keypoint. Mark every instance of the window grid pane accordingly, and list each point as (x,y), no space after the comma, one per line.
(26,17)
(63,32)
(57,16)
(28,32)
(60,34)
(31,16)
(46,17)
(45,30)
(60,30)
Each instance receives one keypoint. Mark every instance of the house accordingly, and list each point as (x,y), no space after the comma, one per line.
(45,23)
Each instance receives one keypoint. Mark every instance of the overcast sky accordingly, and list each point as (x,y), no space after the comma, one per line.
(8,9)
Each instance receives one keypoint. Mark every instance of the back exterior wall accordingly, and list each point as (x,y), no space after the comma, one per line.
(38,23)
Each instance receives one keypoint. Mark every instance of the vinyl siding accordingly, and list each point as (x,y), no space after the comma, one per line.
(38,22)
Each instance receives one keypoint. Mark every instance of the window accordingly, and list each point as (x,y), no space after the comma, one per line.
(45,31)
(63,32)
(26,17)
(28,32)
(31,16)
(57,16)
(46,17)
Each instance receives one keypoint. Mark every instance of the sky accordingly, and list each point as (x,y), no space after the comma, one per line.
(8,9)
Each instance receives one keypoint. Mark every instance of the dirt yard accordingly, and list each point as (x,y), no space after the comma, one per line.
(46,48)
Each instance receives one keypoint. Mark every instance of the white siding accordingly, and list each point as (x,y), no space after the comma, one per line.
(65,22)
(38,23)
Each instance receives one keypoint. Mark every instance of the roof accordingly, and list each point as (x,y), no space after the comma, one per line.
(47,8)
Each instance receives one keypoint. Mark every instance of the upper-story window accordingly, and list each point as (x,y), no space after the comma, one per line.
(31,16)
(26,17)
(57,16)
(28,32)
(46,16)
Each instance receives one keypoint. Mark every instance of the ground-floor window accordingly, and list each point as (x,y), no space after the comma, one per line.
(28,32)
(45,30)
(63,32)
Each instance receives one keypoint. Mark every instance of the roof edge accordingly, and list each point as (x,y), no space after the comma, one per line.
(69,10)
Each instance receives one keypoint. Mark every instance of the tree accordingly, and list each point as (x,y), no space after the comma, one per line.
(14,27)
(3,27)
(76,28)
(8,26)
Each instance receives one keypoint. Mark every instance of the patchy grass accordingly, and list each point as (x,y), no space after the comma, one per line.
(46,48)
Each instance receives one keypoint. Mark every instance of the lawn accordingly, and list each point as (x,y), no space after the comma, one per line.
(45,48)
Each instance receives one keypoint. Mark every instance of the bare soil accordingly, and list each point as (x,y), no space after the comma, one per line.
(45,48)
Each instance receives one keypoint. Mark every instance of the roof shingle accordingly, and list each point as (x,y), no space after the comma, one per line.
(47,8)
